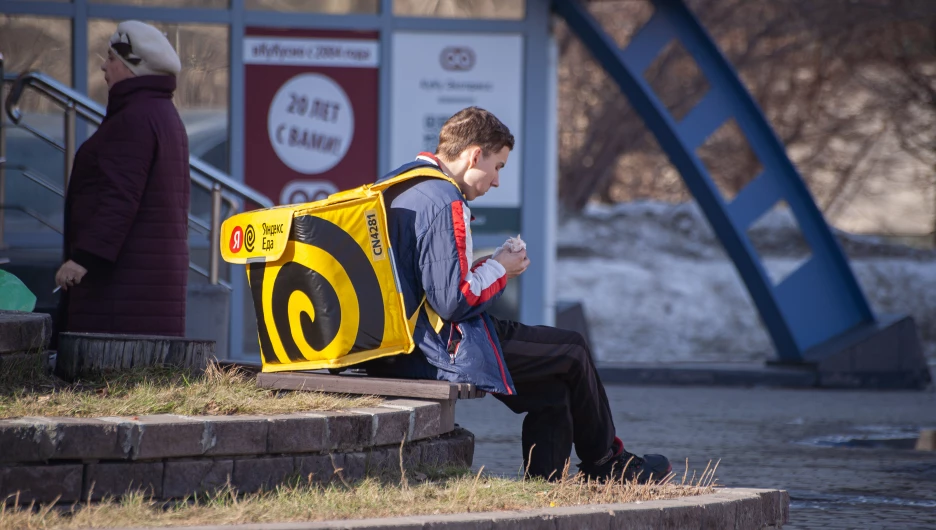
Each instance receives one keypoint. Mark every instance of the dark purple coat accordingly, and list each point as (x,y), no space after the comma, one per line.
(126,216)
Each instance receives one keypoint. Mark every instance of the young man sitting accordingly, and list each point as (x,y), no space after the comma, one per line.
(545,372)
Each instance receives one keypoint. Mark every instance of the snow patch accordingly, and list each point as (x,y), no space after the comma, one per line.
(658,287)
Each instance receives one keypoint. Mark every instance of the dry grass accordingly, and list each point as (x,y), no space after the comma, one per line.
(26,390)
(433,492)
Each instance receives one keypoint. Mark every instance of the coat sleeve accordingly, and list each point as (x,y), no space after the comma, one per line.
(124,160)
(454,289)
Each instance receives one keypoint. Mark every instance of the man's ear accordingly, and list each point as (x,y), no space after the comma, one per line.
(474,156)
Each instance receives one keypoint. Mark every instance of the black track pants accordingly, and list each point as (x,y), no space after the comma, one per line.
(559,389)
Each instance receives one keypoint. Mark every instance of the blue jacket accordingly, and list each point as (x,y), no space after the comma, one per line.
(428,222)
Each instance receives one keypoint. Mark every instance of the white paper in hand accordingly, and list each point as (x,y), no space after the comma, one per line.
(515,244)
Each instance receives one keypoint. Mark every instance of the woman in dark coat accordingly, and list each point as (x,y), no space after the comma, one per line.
(126,225)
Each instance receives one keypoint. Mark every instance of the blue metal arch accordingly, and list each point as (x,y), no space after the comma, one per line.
(817,302)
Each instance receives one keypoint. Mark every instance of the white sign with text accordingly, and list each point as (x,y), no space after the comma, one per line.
(437,74)
(346,53)
(310,123)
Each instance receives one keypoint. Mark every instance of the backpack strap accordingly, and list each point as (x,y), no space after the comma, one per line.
(418,172)
(434,319)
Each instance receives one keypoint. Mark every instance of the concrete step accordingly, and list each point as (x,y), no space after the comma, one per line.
(24,332)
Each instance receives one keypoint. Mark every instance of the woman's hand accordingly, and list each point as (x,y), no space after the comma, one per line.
(69,274)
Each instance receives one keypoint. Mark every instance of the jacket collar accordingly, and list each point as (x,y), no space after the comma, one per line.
(142,87)
(426,156)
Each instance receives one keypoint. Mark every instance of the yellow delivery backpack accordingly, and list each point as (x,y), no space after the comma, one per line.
(323,279)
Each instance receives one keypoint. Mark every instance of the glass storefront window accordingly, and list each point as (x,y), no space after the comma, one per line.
(34,43)
(37,43)
(335,7)
(492,9)
(221,4)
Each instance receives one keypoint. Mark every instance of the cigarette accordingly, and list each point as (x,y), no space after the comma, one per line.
(56,289)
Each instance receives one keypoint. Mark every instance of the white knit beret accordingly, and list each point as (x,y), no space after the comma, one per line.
(144,49)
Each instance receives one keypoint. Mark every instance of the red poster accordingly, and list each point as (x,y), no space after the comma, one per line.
(310,111)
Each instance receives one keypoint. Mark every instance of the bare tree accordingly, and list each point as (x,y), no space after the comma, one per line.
(816,68)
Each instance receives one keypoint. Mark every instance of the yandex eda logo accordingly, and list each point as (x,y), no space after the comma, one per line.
(237,240)
(457,58)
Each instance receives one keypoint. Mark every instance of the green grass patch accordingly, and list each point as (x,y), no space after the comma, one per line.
(27,390)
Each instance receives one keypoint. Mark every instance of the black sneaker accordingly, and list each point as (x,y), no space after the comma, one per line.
(628,466)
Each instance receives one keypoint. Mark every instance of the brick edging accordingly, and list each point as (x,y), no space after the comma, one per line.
(730,508)
(32,440)
(174,478)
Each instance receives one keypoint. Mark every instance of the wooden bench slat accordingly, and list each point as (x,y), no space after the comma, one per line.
(364,385)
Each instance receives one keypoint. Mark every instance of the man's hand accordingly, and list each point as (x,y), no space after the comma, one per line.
(479,260)
(69,274)
(514,262)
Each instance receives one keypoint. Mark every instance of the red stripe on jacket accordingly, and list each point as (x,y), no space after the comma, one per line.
(458,221)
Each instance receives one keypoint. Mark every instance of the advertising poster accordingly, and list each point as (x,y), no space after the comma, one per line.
(311,101)
(437,74)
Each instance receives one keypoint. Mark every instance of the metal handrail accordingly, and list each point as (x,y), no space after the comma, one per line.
(32,213)
(39,179)
(42,180)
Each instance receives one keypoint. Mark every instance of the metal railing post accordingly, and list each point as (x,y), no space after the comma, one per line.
(214,245)
(70,140)
(2,154)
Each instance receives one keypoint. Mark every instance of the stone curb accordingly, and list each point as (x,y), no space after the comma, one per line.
(734,508)
(41,439)
(93,480)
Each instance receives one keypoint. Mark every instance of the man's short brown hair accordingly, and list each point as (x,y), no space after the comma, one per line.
(473,126)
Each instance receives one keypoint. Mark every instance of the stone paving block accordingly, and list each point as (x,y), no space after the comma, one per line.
(389,523)
(784,507)
(25,440)
(320,467)
(448,450)
(636,517)
(297,433)
(719,515)
(41,483)
(253,474)
(354,466)
(412,457)
(748,515)
(85,439)
(461,445)
(349,431)
(383,461)
(679,514)
(426,416)
(117,478)
(390,426)
(237,435)
(435,452)
(582,518)
(462,521)
(185,477)
(517,520)
(128,434)
(24,331)
(170,435)
(771,511)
